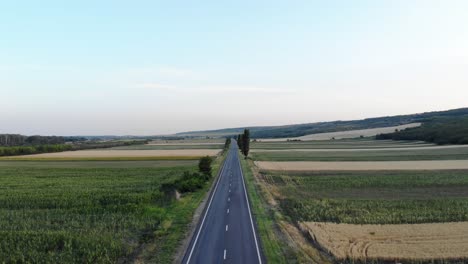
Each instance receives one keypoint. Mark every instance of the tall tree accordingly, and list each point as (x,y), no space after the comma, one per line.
(240,142)
(246,142)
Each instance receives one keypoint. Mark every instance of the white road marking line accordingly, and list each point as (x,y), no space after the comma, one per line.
(250,214)
(206,213)
(229,199)
(228,211)
(227,228)
(224,254)
(229,190)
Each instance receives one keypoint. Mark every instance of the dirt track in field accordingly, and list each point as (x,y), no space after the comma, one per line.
(125,153)
(346,134)
(362,165)
(392,242)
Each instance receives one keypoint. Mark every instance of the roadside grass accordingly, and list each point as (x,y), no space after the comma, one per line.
(377,155)
(372,197)
(94,214)
(275,251)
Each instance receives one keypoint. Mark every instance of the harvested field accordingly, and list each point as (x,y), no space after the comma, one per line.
(185,144)
(346,134)
(392,242)
(189,141)
(362,165)
(124,154)
(169,147)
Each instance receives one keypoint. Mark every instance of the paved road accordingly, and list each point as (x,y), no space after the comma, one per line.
(226,233)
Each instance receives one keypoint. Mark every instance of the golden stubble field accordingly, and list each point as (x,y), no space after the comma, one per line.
(390,242)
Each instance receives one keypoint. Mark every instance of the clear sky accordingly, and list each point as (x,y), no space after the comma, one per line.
(157,67)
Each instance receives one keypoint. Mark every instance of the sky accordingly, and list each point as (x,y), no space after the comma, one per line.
(113,67)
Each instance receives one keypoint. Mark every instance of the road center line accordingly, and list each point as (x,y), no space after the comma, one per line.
(228,211)
(227,228)
(225,254)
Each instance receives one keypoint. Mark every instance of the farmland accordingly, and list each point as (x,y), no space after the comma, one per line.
(339,193)
(392,197)
(123,154)
(393,241)
(70,210)
(398,154)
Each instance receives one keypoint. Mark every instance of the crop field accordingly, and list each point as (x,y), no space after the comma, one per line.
(422,153)
(92,211)
(377,215)
(123,154)
(337,144)
(370,197)
(171,146)
(189,141)
(361,165)
(370,200)
(99,164)
(390,242)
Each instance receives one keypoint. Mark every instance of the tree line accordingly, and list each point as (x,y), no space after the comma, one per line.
(49,148)
(243,142)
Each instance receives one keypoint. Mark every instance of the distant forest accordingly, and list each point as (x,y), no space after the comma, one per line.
(8,140)
(441,130)
(13,144)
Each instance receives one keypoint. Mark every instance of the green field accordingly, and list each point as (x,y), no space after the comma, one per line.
(372,155)
(92,212)
(338,144)
(372,197)
(100,164)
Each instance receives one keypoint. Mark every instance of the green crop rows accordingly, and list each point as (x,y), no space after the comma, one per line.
(373,197)
(89,215)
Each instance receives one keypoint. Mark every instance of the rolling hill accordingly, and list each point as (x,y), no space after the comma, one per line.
(333,126)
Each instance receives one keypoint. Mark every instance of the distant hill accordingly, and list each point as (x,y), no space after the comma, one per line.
(333,126)
(439,130)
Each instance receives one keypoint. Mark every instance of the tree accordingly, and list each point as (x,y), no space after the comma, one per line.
(246,142)
(204,165)
(227,143)
(240,142)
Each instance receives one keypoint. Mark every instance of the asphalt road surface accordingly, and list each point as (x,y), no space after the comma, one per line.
(226,231)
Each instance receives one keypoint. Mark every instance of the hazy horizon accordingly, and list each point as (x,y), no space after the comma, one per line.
(153,67)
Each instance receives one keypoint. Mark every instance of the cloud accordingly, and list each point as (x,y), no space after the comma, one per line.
(165,72)
(245,88)
(156,86)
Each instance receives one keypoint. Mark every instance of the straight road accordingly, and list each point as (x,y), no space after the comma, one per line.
(226,232)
